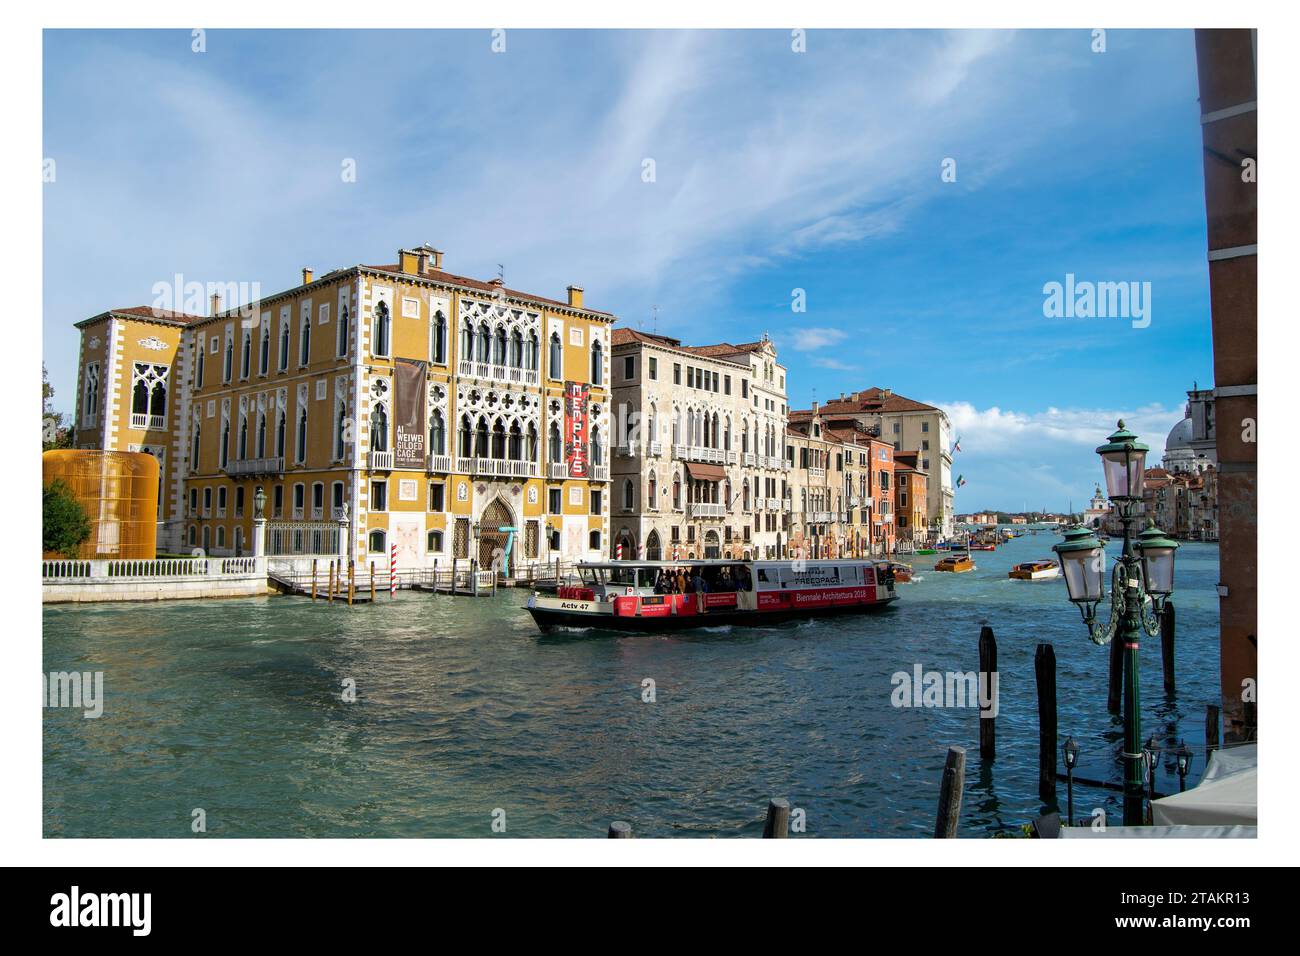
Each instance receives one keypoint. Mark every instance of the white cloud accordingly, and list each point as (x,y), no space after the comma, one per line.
(811,339)
(1028,435)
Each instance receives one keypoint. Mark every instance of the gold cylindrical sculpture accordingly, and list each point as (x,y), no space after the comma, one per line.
(119,490)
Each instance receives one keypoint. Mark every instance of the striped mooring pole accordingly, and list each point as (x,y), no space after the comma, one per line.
(392,571)
(618,551)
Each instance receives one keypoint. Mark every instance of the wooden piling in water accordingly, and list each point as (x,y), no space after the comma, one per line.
(372,582)
(1167,645)
(330,593)
(313,578)
(453,577)
(950,791)
(473,576)
(777,824)
(1211,730)
(352,580)
(620,830)
(1045,678)
(988,648)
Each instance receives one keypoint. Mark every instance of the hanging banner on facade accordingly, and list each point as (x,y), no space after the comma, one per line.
(408,414)
(576,395)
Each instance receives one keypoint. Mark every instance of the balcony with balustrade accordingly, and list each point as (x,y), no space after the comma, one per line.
(441,464)
(493,373)
(705,509)
(714,456)
(381,460)
(151,423)
(247,467)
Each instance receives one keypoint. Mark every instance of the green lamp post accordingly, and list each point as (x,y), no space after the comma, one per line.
(1144,570)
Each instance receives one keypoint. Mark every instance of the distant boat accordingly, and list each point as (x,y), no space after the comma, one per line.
(926,551)
(902,572)
(956,563)
(1034,571)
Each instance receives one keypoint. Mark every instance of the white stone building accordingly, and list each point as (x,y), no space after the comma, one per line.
(698,468)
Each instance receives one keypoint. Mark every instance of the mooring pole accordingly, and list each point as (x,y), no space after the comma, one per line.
(372,582)
(1045,678)
(988,648)
(330,593)
(777,824)
(620,830)
(950,790)
(313,578)
(352,580)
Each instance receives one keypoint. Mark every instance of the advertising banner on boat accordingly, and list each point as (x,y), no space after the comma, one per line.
(576,396)
(816,597)
(408,414)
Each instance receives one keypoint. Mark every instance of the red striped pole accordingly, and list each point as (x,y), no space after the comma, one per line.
(392,571)
(618,551)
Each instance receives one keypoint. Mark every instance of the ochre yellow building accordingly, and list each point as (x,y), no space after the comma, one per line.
(374,405)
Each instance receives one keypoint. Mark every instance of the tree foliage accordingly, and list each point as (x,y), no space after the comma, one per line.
(65,526)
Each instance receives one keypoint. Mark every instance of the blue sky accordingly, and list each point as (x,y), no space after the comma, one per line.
(774,171)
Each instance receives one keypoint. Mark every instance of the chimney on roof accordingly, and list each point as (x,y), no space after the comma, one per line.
(575,296)
(433,257)
(306,276)
(814,406)
(215,303)
(497,281)
(886,392)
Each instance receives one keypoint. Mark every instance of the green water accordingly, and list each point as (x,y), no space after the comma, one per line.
(462,710)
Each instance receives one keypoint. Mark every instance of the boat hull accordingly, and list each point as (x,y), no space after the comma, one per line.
(551,619)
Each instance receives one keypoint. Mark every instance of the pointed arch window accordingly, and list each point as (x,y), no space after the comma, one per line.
(516,355)
(304,341)
(264,351)
(530,353)
(225,442)
(243,437)
(437,434)
(280,436)
(261,435)
(340,431)
(284,344)
(554,444)
(498,440)
(499,346)
(467,341)
(516,443)
(300,442)
(341,346)
(381,330)
(481,439)
(555,361)
(466,449)
(228,362)
(597,362)
(440,338)
(194,447)
(379,427)
(246,355)
(652,499)
(531,450)
(597,453)
(677,492)
(629,494)
(484,343)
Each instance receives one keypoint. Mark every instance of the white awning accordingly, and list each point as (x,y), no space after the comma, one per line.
(1226,796)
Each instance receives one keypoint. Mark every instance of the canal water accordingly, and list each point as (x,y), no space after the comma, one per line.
(465,716)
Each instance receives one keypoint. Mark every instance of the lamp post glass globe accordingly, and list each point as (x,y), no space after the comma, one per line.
(1157,553)
(1083,562)
(1071,750)
(1124,461)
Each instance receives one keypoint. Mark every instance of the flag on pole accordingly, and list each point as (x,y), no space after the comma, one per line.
(956,446)
(960,481)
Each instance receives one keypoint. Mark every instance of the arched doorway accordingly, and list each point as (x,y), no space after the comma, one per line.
(712,545)
(629,546)
(653,549)
(491,540)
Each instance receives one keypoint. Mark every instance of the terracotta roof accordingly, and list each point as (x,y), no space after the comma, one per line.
(624,336)
(437,275)
(867,400)
(147,312)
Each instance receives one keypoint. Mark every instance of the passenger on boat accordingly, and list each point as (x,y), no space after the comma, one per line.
(698,584)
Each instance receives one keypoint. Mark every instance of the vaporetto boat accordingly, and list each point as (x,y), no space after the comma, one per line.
(676,595)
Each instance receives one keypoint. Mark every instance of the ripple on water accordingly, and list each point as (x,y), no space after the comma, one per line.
(462,709)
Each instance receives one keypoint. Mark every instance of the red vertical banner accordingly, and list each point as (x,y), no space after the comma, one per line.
(576,396)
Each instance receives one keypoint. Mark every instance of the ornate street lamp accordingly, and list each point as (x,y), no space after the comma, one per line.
(1071,750)
(1184,757)
(1144,569)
